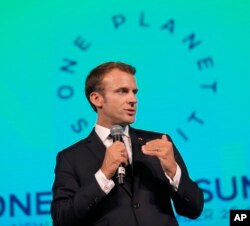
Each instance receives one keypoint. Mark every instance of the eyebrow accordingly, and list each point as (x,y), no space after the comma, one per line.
(125,88)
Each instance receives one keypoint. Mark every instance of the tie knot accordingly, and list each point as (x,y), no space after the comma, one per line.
(108,141)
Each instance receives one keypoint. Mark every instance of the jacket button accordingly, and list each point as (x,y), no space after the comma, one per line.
(136,205)
(187,199)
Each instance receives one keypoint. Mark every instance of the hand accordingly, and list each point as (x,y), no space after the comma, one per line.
(114,156)
(163,150)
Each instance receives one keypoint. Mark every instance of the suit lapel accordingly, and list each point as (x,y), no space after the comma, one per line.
(137,142)
(96,146)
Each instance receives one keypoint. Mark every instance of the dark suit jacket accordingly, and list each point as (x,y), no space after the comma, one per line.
(143,200)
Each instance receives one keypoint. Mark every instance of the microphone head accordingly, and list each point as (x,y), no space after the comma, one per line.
(116,130)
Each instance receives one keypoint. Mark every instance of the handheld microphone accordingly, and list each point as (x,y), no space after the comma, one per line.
(116,132)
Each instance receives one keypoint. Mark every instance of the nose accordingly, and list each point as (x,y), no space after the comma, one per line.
(132,99)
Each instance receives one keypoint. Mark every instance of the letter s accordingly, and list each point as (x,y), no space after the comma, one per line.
(79,125)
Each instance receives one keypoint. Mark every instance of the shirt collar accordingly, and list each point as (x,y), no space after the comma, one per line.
(126,131)
(102,132)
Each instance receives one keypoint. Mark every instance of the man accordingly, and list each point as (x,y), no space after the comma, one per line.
(85,191)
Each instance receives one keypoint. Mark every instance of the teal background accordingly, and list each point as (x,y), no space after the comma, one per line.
(36,37)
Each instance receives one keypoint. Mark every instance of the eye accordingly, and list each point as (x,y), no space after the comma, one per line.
(122,90)
(135,91)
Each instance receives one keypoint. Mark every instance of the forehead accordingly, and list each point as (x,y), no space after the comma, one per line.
(117,78)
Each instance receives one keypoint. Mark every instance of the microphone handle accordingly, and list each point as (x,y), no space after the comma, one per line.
(121,172)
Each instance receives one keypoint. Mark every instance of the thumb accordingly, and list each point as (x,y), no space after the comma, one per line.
(164,137)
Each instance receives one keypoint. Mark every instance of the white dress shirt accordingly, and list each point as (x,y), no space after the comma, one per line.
(106,184)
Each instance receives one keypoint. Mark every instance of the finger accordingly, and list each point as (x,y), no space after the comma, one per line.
(154,143)
(118,145)
(151,152)
(150,145)
(124,154)
(148,148)
(125,161)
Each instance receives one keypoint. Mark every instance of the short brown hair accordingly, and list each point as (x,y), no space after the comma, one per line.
(93,81)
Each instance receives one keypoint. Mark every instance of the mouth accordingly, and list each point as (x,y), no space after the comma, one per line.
(130,112)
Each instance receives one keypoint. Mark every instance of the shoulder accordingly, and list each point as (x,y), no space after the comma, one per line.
(80,145)
(74,149)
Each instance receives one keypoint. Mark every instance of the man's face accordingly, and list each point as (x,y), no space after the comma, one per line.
(118,100)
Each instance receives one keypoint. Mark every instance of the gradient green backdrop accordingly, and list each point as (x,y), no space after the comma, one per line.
(43,108)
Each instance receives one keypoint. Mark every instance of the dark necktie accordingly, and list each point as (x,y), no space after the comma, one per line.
(129,172)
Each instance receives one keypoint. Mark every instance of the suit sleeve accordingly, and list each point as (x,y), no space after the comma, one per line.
(188,200)
(73,203)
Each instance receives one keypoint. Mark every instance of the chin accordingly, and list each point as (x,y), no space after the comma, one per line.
(130,121)
(125,122)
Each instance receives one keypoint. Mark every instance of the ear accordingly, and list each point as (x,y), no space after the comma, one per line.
(96,99)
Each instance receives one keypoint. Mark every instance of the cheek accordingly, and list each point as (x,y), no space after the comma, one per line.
(111,107)
(114,105)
